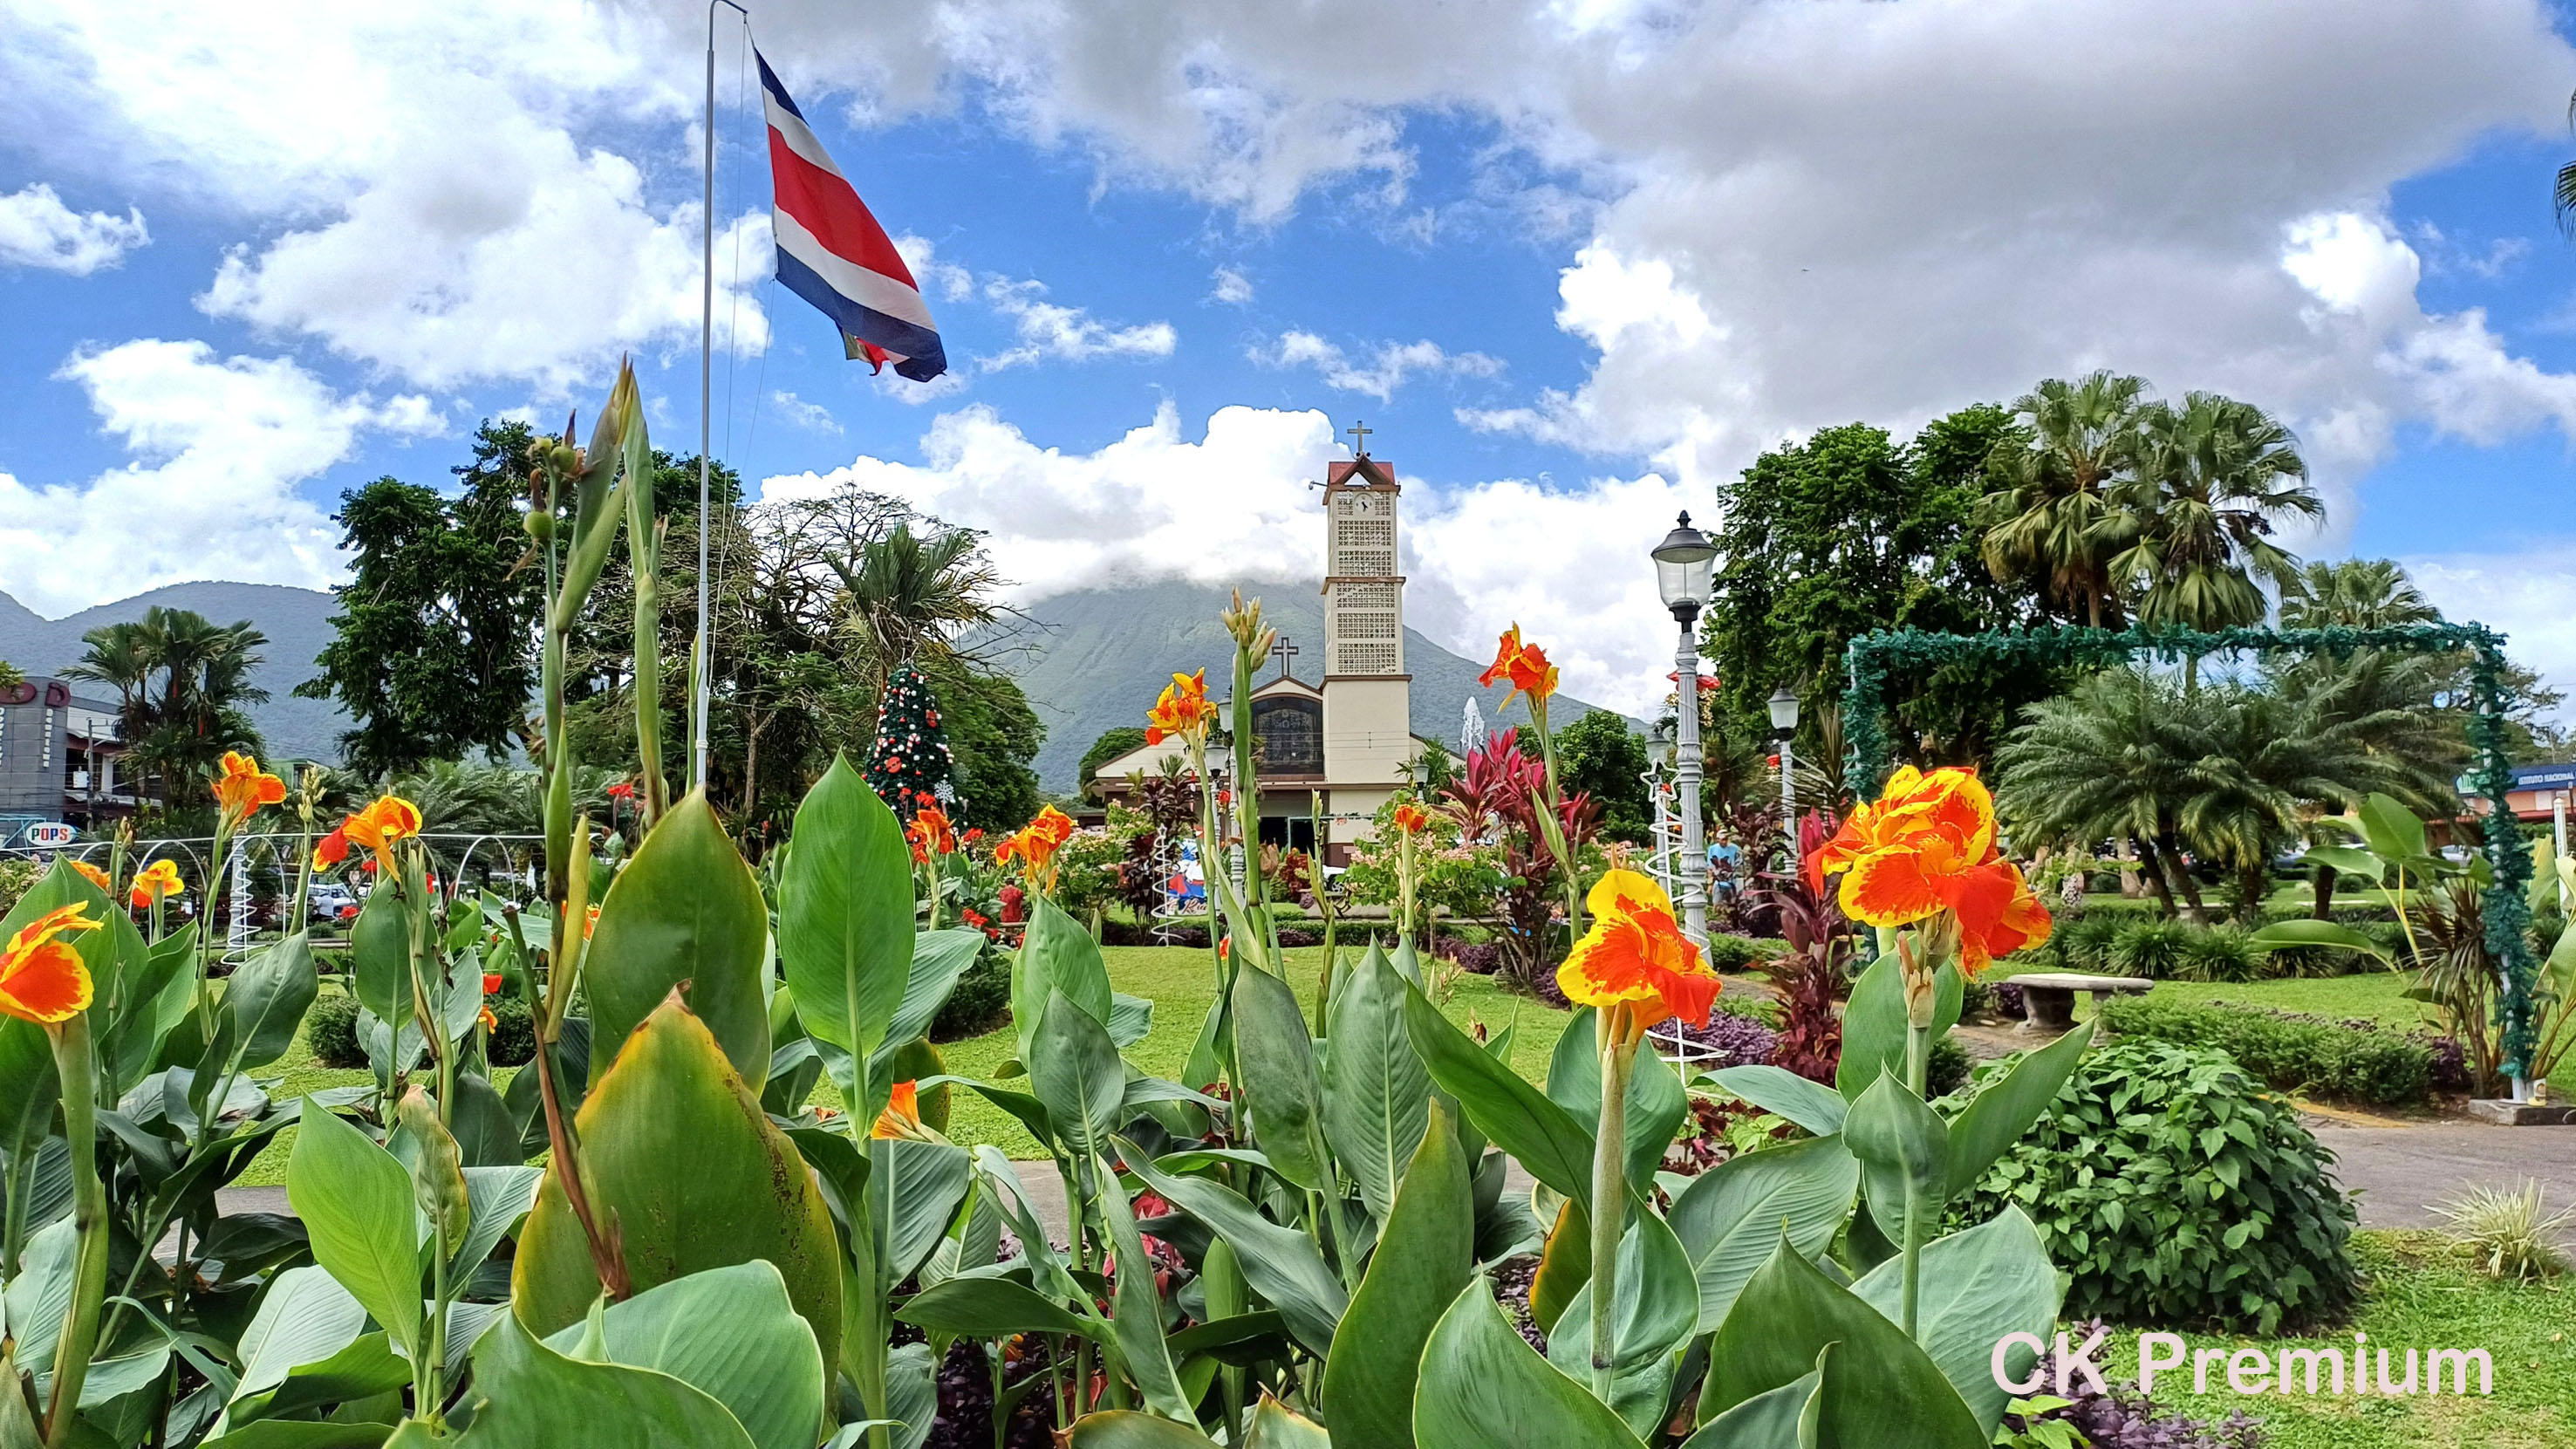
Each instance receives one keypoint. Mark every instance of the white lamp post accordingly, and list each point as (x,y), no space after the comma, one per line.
(1784,724)
(1683,563)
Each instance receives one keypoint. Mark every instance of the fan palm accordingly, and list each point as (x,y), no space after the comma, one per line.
(907,597)
(181,681)
(2110,759)
(2357,593)
(2194,520)
(2048,518)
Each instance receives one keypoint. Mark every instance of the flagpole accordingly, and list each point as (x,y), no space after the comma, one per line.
(702,652)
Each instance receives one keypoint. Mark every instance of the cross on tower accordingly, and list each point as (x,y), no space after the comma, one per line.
(1359,439)
(1286,653)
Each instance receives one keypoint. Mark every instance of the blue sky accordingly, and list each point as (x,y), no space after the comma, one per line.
(1574,260)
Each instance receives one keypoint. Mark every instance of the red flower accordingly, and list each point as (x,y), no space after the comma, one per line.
(622,790)
(491,983)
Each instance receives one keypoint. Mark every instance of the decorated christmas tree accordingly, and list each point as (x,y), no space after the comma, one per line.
(910,759)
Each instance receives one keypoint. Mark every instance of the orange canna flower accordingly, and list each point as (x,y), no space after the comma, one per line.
(94,875)
(1183,710)
(902,1115)
(487,1020)
(242,789)
(931,833)
(331,849)
(1925,846)
(156,881)
(378,826)
(1034,845)
(1635,953)
(590,923)
(1525,666)
(1054,824)
(1412,819)
(41,978)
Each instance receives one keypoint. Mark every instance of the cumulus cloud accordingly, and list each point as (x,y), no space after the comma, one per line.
(37,230)
(1231,287)
(1567,562)
(1389,365)
(2531,596)
(813,417)
(218,447)
(1050,331)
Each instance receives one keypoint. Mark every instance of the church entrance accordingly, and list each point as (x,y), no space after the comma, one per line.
(1290,832)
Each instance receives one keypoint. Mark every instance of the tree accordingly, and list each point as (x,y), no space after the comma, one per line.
(2055,493)
(2194,518)
(1112,743)
(910,757)
(435,654)
(181,681)
(994,736)
(2357,593)
(1601,755)
(911,594)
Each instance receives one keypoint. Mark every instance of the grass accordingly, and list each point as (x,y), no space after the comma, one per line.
(1179,981)
(2422,1294)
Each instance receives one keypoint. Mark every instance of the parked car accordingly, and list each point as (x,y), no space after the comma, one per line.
(330,901)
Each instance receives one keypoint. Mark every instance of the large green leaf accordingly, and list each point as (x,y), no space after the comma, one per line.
(1874,1022)
(498,1197)
(914,1189)
(1785,1318)
(1904,1152)
(1655,1306)
(28,1089)
(1127,1429)
(1281,1263)
(380,957)
(1656,1102)
(731,1334)
(1137,1329)
(684,912)
(1977,1286)
(1057,954)
(1732,1216)
(1550,1142)
(2392,830)
(2004,1111)
(1274,1426)
(42,1290)
(304,1317)
(939,958)
(1377,1093)
(1077,1074)
(303,1434)
(845,922)
(1816,1107)
(1425,1252)
(2291,935)
(366,1369)
(528,1396)
(1783,1418)
(1279,1084)
(988,1308)
(265,999)
(1484,1387)
(2348,860)
(697,1177)
(356,1203)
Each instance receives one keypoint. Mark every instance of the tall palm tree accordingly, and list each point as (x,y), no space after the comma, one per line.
(908,596)
(2193,521)
(182,681)
(2047,519)
(2357,593)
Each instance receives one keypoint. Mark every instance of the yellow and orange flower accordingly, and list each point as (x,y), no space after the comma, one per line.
(94,875)
(157,881)
(1524,665)
(377,827)
(1183,710)
(41,977)
(1636,955)
(1412,819)
(901,1118)
(331,849)
(242,790)
(1925,846)
(931,833)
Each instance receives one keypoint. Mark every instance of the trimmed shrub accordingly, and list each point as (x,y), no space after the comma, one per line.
(2153,947)
(513,1039)
(1734,953)
(2176,1193)
(2357,1060)
(1476,958)
(982,999)
(331,1030)
(1946,1069)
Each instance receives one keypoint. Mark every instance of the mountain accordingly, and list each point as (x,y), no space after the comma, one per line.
(296,621)
(1094,660)
(1089,661)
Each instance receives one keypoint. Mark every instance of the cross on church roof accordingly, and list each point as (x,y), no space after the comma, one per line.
(1359,439)
(1286,653)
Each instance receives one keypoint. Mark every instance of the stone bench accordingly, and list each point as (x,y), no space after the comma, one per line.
(2048,997)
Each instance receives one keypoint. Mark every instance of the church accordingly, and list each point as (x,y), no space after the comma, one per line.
(1348,737)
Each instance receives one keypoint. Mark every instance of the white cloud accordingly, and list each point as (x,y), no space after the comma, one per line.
(37,230)
(1568,563)
(1066,334)
(1392,365)
(219,447)
(1232,287)
(2530,596)
(813,417)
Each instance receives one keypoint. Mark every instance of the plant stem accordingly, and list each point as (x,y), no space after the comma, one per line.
(89,1220)
(1609,1192)
(1913,1249)
(1918,1058)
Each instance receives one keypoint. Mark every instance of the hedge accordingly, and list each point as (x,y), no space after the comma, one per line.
(2355,1060)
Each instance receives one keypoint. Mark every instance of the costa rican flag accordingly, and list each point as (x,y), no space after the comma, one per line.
(832,253)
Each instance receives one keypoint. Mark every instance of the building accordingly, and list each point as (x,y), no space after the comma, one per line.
(58,759)
(2537,790)
(1350,737)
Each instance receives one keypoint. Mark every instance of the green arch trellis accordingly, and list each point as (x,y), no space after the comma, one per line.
(1871,656)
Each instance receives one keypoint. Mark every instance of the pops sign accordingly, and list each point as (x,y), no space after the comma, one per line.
(50,833)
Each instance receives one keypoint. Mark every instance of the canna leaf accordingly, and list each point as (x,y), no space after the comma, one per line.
(1731,1217)
(1786,1317)
(529,1396)
(1279,1084)
(1377,1092)
(1425,1254)
(845,920)
(356,1203)
(684,913)
(2004,1111)
(1484,1387)
(731,1334)
(1978,1285)
(1280,1263)
(1550,1142)
(1904,1152)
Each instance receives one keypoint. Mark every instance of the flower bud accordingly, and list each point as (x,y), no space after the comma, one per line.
(539,523)
(567,458)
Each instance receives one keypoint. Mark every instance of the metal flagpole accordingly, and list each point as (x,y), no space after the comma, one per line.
(702,652)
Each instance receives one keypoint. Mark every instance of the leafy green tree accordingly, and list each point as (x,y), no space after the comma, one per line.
(2053,493)
(1112,743)
(994,736)
(182,682)
(2357,593)
(2213,479)
(435,655)
(1602,755)
(911,594)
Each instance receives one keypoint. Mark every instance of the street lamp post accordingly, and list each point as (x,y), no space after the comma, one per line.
(1784,725)
(1683,563)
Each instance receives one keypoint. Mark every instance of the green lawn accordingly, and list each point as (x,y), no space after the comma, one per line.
(2421,1295)
(1180,983)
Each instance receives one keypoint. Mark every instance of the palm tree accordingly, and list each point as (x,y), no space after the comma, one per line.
(2047,520)
(181,682)
(2357,593)
(2193,521)
(908,596)
(2110,759)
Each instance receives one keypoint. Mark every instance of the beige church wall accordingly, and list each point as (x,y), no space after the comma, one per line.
(1368,735)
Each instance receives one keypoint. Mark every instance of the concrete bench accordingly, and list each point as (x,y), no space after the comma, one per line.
(2048,997)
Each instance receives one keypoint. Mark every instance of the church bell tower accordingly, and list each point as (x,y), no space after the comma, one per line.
(1367,694)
